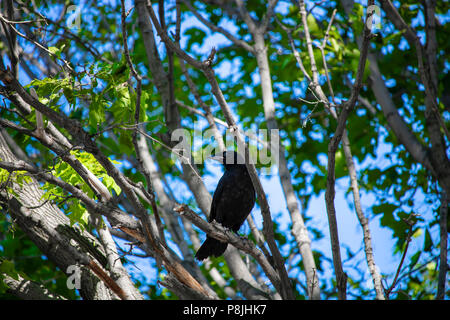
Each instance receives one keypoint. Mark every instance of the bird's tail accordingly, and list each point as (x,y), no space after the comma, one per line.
(211,247)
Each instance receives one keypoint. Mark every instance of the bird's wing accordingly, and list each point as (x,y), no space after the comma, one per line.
(216,198)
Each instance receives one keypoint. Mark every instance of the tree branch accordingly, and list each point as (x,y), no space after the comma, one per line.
(364,222)
(443,265)
(341,277)
(27,289)
(410,224)
(238,42)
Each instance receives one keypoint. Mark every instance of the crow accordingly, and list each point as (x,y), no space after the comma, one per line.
(232,201)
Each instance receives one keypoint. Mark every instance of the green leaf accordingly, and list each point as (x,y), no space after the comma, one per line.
(392,36)
(194,36)
(385,208)
(335,45)
(286,60)
(78,214)
(414,259)
(8,268)
(111,184)
(56,51)
(428,242)
(97,111)
(313,27)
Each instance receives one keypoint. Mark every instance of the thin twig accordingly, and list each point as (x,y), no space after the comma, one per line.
(443,266)
(36,43)
(294,49)
(408,240)
(239,42)
(322,50)
(208,114)
(364,222)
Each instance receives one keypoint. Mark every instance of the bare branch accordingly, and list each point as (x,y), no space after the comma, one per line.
(268,15)
(376,277)
(251,24)
(322,50)
(66,64)
(294,50)
(443,266)
(341,277)
(208,115)
(315,74)
(239,42)
(27,289)
(410,224)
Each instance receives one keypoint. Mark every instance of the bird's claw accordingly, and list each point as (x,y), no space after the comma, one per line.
(243,238)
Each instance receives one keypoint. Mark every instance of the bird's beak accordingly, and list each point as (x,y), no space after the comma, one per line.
(218,158)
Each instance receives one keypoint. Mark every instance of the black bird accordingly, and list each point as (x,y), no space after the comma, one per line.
(232,201)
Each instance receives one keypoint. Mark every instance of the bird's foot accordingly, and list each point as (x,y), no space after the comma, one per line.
(243,238)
